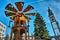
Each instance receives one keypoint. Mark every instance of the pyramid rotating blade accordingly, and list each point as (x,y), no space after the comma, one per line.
(29,7)
(30,13)
(7,13)
(19,5)
(10,7)
(28,18)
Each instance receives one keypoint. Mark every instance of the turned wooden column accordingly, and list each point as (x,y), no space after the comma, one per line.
(11,35)
(25,36)
(17,35)
(34,37)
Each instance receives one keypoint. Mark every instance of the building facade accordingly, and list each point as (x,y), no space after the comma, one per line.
(31,37)
(2,31)
(54,24)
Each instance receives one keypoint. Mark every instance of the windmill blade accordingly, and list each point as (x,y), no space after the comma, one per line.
(28,18)
(30,13)
(7,13)
(19,5)
(29,7)
(10,7)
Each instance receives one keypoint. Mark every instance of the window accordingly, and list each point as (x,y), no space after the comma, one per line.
(3,30)
(2,34)
(4,27)
(0,23)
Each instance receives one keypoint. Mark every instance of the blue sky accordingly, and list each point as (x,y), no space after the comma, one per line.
(40,6)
